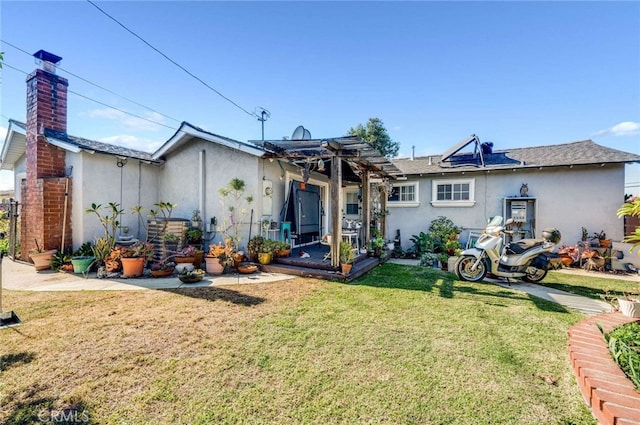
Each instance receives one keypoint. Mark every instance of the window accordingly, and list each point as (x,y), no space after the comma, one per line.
(453,193)
(404,194)
(351,203)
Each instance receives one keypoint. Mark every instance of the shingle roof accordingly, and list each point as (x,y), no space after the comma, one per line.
(57,137)
(584,152)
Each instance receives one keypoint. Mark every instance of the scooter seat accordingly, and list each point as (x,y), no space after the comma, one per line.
(518,247)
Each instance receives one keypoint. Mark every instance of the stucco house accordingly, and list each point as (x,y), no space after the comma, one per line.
(567,186)
(58,176)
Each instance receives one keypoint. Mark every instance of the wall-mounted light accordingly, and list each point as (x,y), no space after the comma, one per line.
(320,165)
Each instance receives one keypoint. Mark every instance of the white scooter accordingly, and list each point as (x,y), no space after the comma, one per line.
(526,258)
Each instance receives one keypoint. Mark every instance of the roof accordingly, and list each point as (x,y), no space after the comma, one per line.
(584,152)
(188,131)
(15,145)
(358,154)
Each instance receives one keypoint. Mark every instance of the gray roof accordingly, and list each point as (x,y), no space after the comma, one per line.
(585,152)
(58,137)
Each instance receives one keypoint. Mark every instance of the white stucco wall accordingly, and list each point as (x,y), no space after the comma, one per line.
(567,199)
(179,182)
(19,173)
(97,179)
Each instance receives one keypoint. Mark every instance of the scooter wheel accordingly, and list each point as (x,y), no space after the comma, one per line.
(534,275)
(465,271)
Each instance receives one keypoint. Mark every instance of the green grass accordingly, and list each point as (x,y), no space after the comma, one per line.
(402,345)
(591,287)
(624,344)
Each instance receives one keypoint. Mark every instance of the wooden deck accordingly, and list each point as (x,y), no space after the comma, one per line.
(314,265)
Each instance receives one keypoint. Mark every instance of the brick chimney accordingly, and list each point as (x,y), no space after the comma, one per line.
(43,194)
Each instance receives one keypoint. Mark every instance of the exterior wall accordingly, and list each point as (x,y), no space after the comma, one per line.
(19,173)
(566,198)
(98,179)
(179,183)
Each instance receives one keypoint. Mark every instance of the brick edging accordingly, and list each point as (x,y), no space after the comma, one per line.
(605,388)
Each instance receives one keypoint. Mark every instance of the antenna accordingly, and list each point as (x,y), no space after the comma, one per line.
(262,115)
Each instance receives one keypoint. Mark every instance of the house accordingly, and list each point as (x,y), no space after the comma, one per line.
(567,186)
(307,188)
(58,176)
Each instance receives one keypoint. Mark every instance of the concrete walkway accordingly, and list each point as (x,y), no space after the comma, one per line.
(582,304)
(20,276)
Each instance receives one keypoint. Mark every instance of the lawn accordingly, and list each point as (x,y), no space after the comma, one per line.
(591,287)
(403,345)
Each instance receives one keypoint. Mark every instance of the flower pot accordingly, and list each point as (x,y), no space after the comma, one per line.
(184,266)
(237,258)
(197,262)
(162,273)
(42,260)
(605,243)
(132,267)
(629,308)
(264,258)
(213,265)
(178,260)
(82,264)
(284,252)
(346,268)
(247,268)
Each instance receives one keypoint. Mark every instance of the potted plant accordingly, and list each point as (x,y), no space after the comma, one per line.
(162,268)
(266,252)
(170,241)
(42,257)
(191,276)
(235,205)
(429,259)
(377,243)
(346,257)
(134,257)
(601,237)
(196,220)
(254,246)
(214,258)
(194,236)
(185,255)
(62,261)
(569,254)
(83,258)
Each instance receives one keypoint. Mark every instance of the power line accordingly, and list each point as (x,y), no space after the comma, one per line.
(99,102)
(96,85)
(171,60)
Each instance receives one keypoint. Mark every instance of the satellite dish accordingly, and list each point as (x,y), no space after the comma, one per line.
(306,135)
(298,133)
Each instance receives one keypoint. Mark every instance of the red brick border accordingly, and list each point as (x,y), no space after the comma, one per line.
(605,388)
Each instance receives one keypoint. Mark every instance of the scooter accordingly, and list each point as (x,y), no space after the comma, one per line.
(527,259)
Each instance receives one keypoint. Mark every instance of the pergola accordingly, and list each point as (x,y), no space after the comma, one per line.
(364,161)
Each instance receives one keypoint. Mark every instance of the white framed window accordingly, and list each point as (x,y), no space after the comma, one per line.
(351,203)
(453,193)
(403,194)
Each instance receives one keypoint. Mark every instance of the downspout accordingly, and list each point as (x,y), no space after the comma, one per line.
(202,186)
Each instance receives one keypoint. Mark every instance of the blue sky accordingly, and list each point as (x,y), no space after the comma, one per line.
(514,73)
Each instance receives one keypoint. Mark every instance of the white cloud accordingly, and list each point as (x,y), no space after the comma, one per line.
(625,128)
(130,122)
(133,142)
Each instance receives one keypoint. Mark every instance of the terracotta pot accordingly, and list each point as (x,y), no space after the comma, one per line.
(284,252)
(237,258)
(161,273)
(42,260)
(132,267)
(605,243)
(213,265)
(178,260)
(197,263)
(346,268)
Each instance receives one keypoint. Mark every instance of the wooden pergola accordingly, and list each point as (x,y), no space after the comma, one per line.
(362,158)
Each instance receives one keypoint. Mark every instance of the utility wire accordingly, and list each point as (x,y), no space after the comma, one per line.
(96,85)
(172,61)
(100,103)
